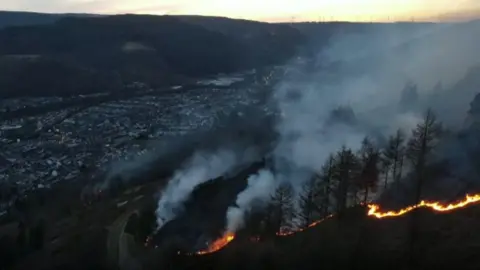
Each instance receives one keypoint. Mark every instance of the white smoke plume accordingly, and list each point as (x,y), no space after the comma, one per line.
(260,185)
(370,82)
(203,166)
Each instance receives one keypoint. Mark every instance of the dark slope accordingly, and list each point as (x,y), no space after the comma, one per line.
(445,241)
(268,41)
(12,18)
(156,50)
(22,18)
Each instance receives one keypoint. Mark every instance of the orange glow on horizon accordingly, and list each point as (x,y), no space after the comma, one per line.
(268,10)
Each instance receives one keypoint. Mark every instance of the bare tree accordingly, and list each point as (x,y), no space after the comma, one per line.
(394,153)
(314,199)
(346,166)
(307,203)
(385,167)
(325,182)
(424,138)
(282,209)
(369,174)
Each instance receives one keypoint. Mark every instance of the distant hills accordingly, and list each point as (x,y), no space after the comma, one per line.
(68,54)
(14,18)
(62,55)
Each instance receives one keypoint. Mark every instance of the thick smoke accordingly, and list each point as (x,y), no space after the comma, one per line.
(260,185)
(203,166)
(371,84)
(369,80)
(159,158)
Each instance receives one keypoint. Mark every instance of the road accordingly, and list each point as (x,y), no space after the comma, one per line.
(118,243)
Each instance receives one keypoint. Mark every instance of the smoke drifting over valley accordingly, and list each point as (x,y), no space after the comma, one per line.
(370,79)
(367,84)
(200,168)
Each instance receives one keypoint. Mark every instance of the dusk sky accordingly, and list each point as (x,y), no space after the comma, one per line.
(267,10)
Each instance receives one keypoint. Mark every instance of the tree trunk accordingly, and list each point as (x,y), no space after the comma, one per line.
(400,169)
(394,169)
(386,179)
(326,201)
(342,195)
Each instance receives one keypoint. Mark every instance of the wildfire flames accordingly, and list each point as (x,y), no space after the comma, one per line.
(218,244)
(436,206)
(287,233)
(374,211)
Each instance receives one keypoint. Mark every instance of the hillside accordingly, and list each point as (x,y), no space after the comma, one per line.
(357,242)
(267,40)
(13,18)
(157,50)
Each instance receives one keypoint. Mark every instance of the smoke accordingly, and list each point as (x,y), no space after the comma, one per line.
(159,158)
(259,187)
(201,167)
(371,70)
(374,68)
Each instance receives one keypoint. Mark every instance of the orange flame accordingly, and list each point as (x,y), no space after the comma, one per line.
(315,223)
(374,211)
(218,244)
(436,206)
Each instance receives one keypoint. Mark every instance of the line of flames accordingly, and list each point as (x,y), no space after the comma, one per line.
(374,211)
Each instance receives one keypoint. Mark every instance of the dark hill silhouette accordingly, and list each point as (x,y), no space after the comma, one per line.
(156,50)
(21,18)
(267,40)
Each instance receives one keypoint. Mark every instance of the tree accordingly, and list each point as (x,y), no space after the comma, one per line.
(307,203)
(345,170)
(385,165)
(325,183)
(282,208)
(394,153)
(368,176)
(424,139)
(314,199)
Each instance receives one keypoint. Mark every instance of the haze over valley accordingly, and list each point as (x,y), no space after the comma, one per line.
(192,142)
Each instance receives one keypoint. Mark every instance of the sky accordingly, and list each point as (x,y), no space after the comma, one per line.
(268,10)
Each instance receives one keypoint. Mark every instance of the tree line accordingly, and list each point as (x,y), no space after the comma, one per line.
(349,178)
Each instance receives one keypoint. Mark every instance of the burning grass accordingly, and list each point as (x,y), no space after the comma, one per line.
(374,212)
(218,244)
(435,206)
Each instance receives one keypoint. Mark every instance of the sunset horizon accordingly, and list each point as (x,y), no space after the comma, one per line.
(268,11)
